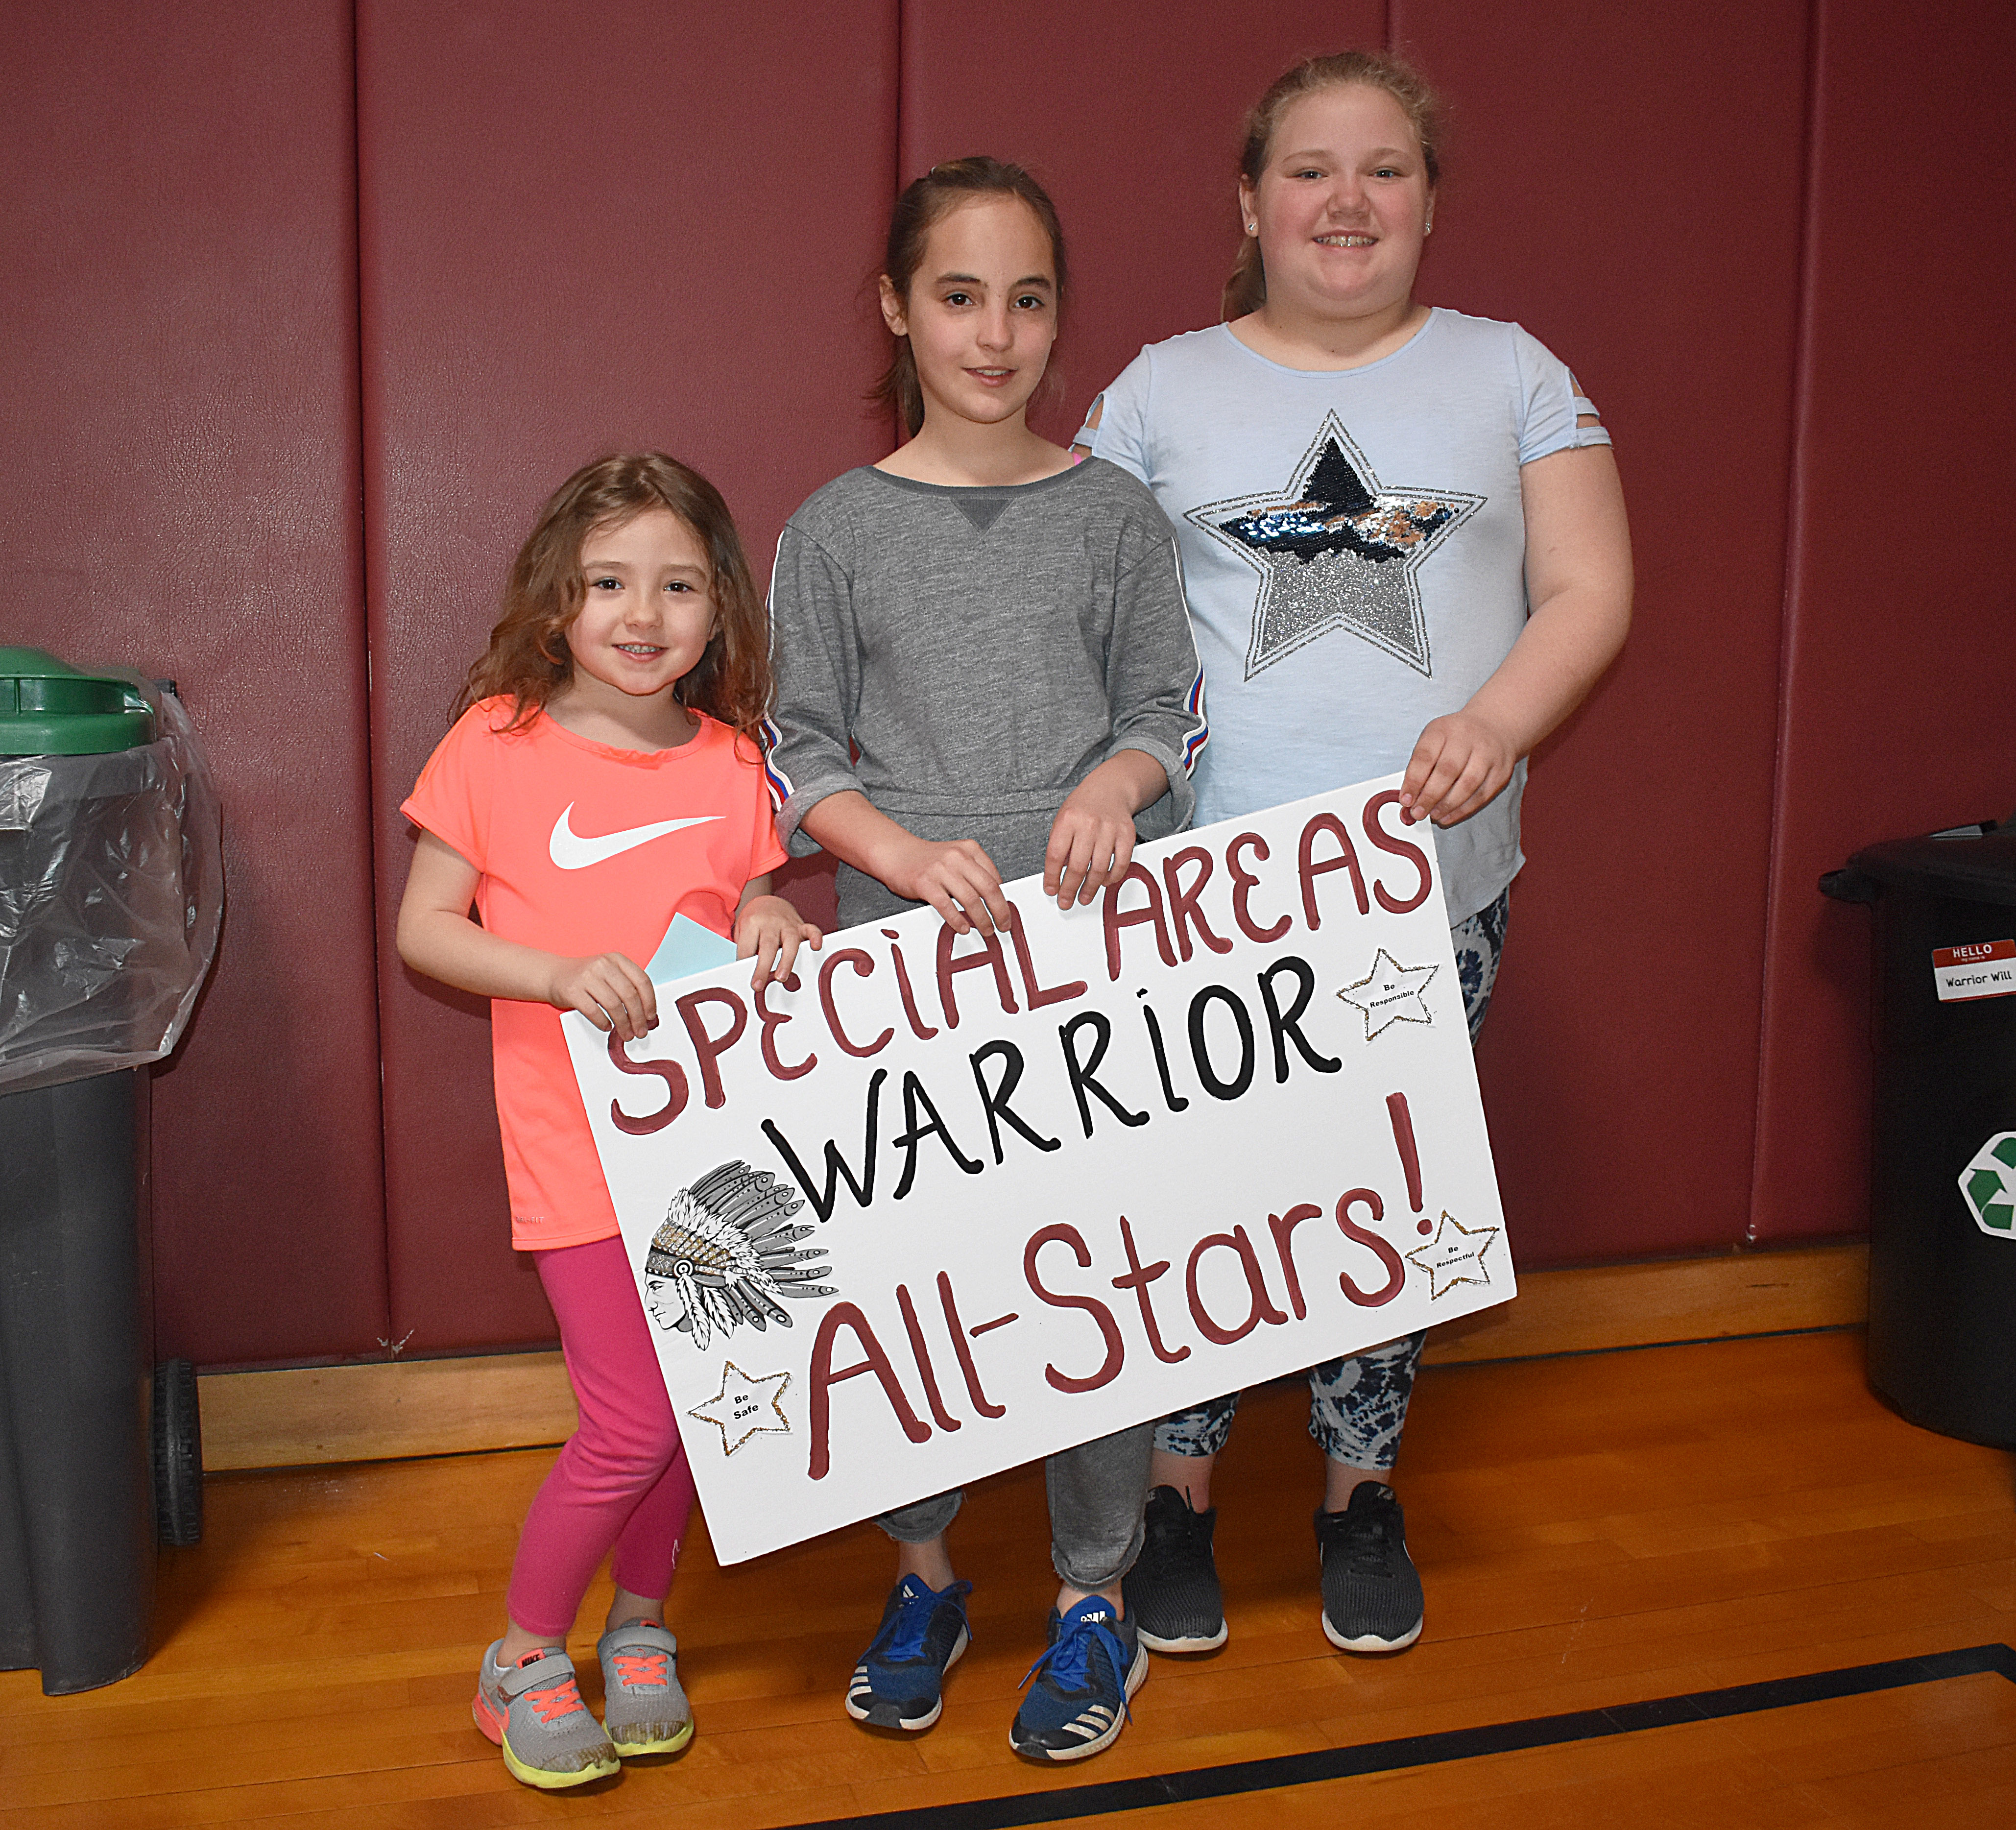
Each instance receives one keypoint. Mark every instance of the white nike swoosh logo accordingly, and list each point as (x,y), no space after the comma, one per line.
(570,851)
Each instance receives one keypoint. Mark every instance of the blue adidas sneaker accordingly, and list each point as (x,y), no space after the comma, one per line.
(898,1683)
(1076,1705)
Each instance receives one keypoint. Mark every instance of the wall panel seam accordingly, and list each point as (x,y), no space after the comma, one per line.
(1801,402)
(372,759)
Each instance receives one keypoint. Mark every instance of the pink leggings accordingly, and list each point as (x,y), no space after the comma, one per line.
(621,1480)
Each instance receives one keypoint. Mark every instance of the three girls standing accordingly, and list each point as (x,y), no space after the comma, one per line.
(1404,545)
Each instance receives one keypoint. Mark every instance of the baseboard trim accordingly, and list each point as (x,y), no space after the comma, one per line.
(299,1416)
(1605,1306)
(295,1416)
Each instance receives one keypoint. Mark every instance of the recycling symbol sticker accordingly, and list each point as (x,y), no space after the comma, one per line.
(1988,1185)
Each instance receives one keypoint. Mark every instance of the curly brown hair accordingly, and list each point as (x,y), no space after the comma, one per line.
(528,657)
(1247,288)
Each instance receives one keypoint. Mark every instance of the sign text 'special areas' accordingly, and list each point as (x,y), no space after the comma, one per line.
(1227,1034)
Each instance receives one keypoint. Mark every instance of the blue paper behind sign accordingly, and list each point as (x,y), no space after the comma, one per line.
(688,948)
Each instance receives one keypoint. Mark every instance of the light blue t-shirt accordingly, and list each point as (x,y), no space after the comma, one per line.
(1354,551)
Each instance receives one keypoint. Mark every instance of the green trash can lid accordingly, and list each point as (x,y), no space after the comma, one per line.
(50,709)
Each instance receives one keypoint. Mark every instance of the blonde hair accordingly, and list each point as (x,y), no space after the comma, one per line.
(1246,290)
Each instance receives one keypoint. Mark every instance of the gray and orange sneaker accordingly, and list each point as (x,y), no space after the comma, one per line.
(534,1712)
(644,1711)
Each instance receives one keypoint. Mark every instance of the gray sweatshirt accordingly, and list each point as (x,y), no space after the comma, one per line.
(980,651)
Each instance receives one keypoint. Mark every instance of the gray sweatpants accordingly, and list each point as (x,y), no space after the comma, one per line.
(1097,1491)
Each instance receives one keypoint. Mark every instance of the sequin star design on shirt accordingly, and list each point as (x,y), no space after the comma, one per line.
(1337,549)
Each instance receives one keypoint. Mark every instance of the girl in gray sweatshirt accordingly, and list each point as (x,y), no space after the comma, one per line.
(985,670)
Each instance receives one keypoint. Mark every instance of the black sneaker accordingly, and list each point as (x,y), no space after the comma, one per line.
(1371,1591)
(1171,1593)
(923,1631)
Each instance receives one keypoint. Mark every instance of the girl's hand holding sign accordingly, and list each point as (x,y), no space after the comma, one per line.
(1092,841)
(769,930)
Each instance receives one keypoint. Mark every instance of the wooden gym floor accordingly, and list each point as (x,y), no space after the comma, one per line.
(1737,1524)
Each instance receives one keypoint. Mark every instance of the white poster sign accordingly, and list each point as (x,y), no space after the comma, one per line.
(954,1202)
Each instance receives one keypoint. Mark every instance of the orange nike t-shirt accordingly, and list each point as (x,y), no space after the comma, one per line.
(584,849)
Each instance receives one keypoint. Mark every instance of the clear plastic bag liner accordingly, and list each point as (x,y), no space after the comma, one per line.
(111,894)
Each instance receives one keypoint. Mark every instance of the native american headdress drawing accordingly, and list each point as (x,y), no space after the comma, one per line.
(725,1251)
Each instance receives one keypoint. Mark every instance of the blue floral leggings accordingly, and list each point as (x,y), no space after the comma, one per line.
(1358,1407)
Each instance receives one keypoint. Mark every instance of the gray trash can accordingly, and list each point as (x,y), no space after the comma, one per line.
(110,899)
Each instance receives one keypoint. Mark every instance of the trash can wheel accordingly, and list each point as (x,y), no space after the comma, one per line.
(177,1454)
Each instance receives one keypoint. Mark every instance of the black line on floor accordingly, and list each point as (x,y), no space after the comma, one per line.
(1429,1750)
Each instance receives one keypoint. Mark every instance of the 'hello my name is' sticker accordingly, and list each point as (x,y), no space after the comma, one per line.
(1984,969)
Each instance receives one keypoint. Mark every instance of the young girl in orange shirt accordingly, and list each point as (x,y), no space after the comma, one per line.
(603,776)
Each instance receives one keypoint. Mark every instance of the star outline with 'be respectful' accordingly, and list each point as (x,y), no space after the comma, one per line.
(1337,549)
(1455,1256)
(1386,993)
(743,1407)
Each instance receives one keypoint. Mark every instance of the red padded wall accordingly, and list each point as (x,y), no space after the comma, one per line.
(627,222)
(1900,637)
(1129,113)
(584,226)
(1584,198)
(177,493)
(1627,187)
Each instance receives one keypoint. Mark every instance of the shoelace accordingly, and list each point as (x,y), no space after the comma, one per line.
(1069,1657)
(1189,1534)
(636,1669)
(914,1620)
(555,1700)
(1363,1541)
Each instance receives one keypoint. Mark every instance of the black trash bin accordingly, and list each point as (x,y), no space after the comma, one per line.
(110,900)
(1942,1178)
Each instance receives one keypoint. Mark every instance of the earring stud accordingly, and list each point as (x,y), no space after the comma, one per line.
(1253,229)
